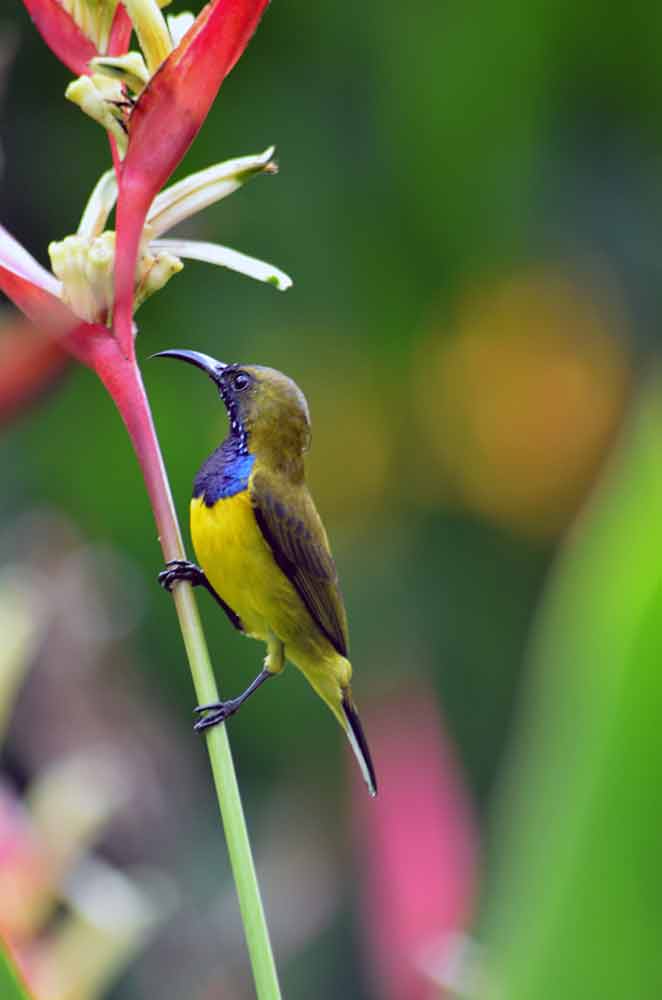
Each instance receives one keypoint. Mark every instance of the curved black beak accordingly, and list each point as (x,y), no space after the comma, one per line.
(211,366)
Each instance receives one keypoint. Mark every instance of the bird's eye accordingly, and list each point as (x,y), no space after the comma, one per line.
(241,381)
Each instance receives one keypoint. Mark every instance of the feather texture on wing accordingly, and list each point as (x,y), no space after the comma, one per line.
(295,533)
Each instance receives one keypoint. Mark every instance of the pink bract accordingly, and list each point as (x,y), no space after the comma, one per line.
(417,844)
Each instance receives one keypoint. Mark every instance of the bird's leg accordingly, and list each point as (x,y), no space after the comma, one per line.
(219,711)
(182,569)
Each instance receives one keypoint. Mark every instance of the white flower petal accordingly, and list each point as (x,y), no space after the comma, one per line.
(17,259)
(204,188)
(178,25)
(99,206)
(212,253)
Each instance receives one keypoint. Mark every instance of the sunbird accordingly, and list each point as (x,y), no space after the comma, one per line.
(263,552)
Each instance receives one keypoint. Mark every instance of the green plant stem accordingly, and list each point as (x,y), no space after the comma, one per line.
(227,790)
(134,407)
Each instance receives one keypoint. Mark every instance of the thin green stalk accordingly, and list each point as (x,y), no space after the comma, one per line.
(134,407)
(227,790)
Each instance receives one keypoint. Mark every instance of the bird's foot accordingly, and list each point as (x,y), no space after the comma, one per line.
(180,569)
(215,713)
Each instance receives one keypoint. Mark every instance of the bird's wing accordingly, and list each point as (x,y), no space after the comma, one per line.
(294,531)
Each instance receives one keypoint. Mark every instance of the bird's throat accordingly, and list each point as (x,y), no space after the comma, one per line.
(226,471)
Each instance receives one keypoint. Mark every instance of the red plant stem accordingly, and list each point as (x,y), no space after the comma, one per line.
(132,207)
(114,152)
(123,381)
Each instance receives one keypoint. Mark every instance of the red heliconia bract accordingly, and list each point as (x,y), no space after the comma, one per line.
(52,316)
(44,309)
(417,844)
(63,36)
(163,124)
(120,32)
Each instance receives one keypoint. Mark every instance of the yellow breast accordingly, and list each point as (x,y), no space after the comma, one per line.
(238,562)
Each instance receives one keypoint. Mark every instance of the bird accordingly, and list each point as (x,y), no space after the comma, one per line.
(262,548)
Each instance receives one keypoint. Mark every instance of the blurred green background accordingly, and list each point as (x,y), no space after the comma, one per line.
(468,201)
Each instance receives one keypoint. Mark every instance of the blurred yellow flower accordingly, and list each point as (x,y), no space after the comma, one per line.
(519,406)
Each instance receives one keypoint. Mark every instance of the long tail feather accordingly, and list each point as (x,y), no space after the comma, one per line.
(359,743)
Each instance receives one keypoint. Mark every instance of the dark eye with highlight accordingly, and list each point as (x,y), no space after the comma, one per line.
(241,381)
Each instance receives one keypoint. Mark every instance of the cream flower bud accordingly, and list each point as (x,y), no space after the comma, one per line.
(157,272)
(102,99)
(68,260)
(85,265)
(129,69)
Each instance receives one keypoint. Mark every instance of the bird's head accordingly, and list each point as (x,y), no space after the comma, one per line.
(264,406)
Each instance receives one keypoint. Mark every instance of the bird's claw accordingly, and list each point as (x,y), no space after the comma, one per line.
(178,569)
(214,714)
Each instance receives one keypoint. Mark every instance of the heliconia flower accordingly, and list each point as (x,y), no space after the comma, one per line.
(163,123)
(417,845)
(78,30)
(104,91)
(151,130)
(83,263)
(37,292)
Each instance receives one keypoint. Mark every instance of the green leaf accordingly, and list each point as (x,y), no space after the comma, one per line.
(11,987)
(576,907)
